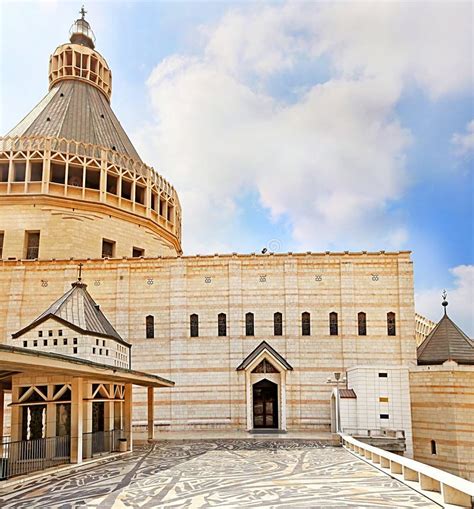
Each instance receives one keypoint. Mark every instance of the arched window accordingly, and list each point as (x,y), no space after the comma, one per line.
(194,325)
(222,324)
(278,324)
(362,324)
(305,324)
(150,326)
(433,447)
(333,328)
(391,330)
(249,324)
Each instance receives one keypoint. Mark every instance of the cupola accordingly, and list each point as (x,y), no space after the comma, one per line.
(78,60)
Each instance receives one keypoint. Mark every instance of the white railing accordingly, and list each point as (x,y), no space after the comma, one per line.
(441,487)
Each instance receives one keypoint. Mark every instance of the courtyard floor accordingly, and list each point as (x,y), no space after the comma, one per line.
(219,473)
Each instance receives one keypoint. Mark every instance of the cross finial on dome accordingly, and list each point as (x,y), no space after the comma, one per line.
(83,12)
(445,302)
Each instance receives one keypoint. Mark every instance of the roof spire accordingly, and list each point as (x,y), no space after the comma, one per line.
(79,271)
(445,302)
(83,12)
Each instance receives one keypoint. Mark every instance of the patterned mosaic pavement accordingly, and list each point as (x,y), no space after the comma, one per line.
(220,473)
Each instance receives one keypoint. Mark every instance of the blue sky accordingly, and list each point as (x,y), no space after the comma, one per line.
(300,126)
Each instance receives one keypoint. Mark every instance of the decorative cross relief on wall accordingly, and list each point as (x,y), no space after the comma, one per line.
(149,281)
(318,277)
(263,278)
(208,279)
(375,277)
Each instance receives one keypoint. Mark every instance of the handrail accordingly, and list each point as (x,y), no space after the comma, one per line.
(453,489)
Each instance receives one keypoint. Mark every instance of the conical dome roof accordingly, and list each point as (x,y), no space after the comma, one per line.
(77,106)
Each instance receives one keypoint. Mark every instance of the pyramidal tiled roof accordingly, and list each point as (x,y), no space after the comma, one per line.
(77,309)
(446,342)
(78,111)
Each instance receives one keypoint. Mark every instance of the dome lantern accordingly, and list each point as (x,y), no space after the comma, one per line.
(81,32)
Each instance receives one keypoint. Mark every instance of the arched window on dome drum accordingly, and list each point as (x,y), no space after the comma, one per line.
(194,325)
(277,324)
(249,324)
(362,324)
(306,324)
(221,324)
(333,325)
(150,326)
(391,330)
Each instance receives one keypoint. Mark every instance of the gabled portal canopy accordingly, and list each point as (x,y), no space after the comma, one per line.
(263,348)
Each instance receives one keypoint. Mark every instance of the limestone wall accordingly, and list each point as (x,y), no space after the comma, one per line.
(442,400)
(208,387)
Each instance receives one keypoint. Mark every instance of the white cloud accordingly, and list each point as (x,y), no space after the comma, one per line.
(464,142)
(460,299)
(329,162)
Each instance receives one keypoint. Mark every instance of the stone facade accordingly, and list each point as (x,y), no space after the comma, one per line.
(423,326)
(442,405)
(209,391)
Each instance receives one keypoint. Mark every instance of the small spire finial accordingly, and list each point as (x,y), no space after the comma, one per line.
(83,12)
(445,302)
(79,271)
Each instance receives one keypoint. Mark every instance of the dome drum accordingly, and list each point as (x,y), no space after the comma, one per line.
(73,61)
(79,171)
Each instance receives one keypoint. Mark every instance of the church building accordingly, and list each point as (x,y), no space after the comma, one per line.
(249,340)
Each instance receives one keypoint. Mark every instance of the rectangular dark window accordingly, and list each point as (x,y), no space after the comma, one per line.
(60,332)
(40,333)
(140,194)
(306,324)
(391,330)
(137,252)
(93,349)
(75,176)
(92,179)
(383,375)
(362,324)
(277,324)
(74,350)
(194,325)
(25,344)
(32,245)
(74,341)
(333,324)
(108,248)
(45,342)
(19,172)
(2,237)
(249,324)
(55,342)
(58,173)
(126,189)
(65,341)
(150,326)
(111,184)
(36,172)
(50,333)
(4,172)
(384,416)
(35,343)
(221,324)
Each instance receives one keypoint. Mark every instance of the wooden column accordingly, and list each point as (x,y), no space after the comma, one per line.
(127,418)
(76,419)
(151,414)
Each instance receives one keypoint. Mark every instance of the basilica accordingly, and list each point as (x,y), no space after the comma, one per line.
(233,341)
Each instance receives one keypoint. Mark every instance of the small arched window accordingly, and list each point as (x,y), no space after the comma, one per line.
(278,324)
(305,324)
(249,324)
(333,326)
(391,329)
(433,447)
(222,324)
(194,325)
(150,326)
(362,324)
